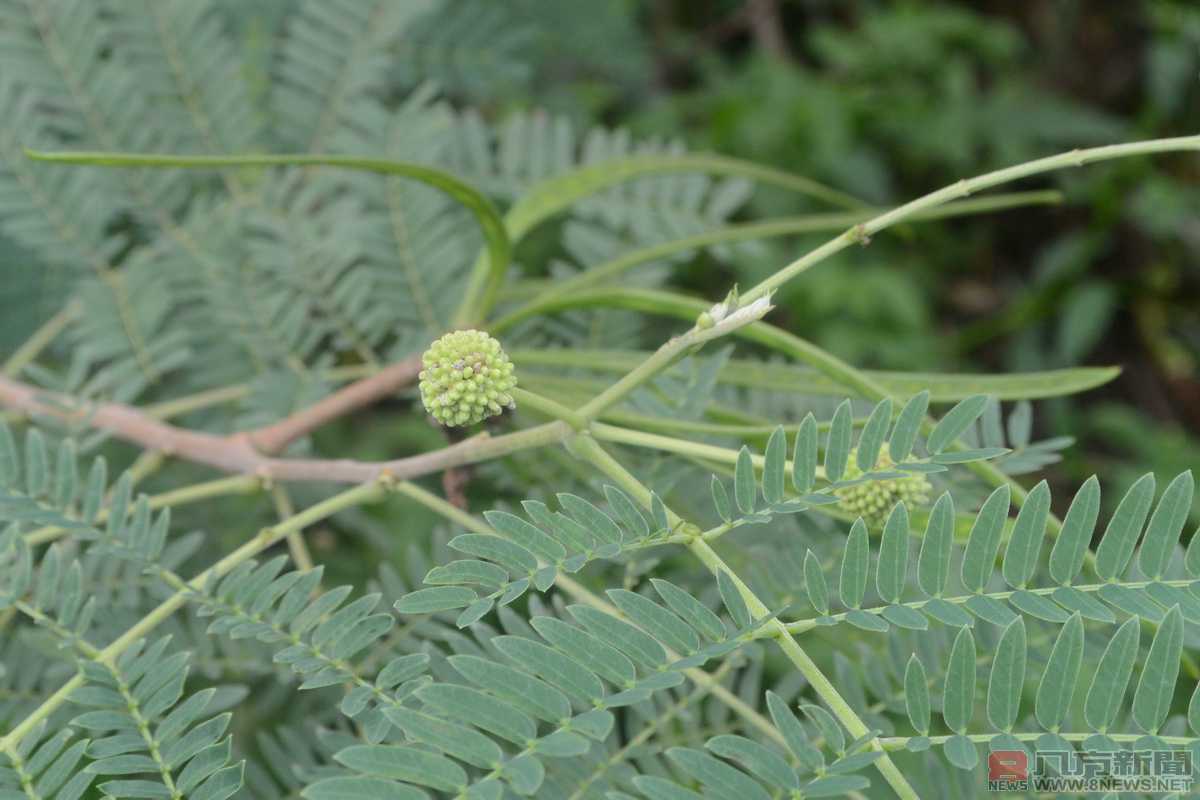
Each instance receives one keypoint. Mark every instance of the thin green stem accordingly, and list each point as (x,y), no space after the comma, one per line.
(861,233)
(27,353)
(556,194)
(813,223)
(548,408)
(499,248)
(804,625)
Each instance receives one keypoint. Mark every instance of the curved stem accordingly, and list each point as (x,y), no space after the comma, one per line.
(495,232)
(550,197)
(860,234)
(813,223)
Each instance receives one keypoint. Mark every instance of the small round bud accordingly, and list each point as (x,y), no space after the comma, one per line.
(466,378)
(874,500)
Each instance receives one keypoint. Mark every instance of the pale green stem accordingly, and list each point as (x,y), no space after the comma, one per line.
(814,223)
(862,232)
(27,353)
(359,495)
(548,408)
(556,194)
(295,540)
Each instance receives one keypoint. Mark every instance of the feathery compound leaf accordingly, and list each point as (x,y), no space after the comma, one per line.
(804,457)
(1021,555)
(916,694)
(1166,524)
(837,448)
(1070,548)
(773,465)
(873,433)
(892,569)
(955,423)
(933,565)
(908,423)
(1123,529)
(1062,672)
(744,481)
(958,698)
(855,562)
(814,583)
(1152,700)
(1008,677)
(984,541)
(1107,692)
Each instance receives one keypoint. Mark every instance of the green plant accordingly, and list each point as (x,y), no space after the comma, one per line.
(614,633)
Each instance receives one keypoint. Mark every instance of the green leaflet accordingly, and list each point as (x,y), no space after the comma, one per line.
(720,498)
(625,637)
(757,759)
(804,457)
(933,564)
(873,433)
(958,699)
(1107,692)
(1123,529)
(1166,524)
(733,600)
(814,582)
(773,465)
(908,424)
(892,568)
(581,646)
(793,732)
(437,598)
(566,674)
(837,447)
(656,620)
(983,543)
(692,610)
(1156,687)
(744,482)
(1007,677)
(1021,555)
(1070,548)
(855,562)
(717,776)
(916,694)
(955,422)
(406,764)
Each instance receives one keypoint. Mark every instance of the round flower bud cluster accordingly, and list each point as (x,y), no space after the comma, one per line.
(466,378)
(874,500)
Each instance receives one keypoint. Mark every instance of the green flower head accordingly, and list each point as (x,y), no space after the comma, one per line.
(874,500)
(467,378)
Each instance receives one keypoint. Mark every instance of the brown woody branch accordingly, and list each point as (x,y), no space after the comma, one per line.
(240,453)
